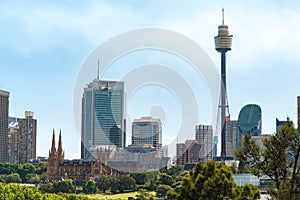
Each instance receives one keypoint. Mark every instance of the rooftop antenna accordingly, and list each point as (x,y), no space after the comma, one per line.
(98,71)
(222,16)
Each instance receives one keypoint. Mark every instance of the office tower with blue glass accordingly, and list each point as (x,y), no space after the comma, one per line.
(4,105)
(102,117)
(222,45)
(249,122)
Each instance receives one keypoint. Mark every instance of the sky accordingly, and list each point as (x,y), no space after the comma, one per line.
(44,44)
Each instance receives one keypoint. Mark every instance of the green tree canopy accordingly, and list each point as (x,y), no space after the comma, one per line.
(211,181)
(277,158)
(90,187)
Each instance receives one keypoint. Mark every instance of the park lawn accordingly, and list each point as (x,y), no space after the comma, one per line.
(122,196)
(113,196)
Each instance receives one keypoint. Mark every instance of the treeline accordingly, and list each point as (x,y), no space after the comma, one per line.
(22,173)
(149,181)
(13,191)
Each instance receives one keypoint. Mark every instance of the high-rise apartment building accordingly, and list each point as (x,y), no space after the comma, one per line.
(231,135)
(22,139)
(180,149)
(13,147)
(27,138)
(4,106)
(147,130)
(204,136)
(102,121)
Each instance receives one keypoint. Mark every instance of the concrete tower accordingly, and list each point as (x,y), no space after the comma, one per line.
(222,45)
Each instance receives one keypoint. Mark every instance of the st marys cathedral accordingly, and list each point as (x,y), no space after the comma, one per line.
(79,170)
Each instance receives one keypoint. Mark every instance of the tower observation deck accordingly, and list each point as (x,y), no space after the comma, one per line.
(223,44)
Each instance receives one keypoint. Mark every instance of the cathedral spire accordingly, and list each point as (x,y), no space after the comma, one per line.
(59,150)
(53,148)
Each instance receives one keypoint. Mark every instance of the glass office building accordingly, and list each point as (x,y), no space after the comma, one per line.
(102,121)
(249,121)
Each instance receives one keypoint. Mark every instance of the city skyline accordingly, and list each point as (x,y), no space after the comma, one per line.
(45,44)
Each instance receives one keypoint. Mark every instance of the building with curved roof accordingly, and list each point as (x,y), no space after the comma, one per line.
(249,121)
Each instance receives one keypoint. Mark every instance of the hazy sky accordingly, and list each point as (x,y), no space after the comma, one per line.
(43,45)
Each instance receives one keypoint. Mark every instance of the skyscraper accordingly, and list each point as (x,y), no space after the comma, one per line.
(4,104)
(180,157)
(102,117)
(147,130)
(204,136)
(249,121)
(27,138)
(231,134)
(22,139)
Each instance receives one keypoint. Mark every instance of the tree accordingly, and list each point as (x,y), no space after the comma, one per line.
(32,178)
(90,187)
(162,190)
(278,159)
(103,183)
(65,186)
(13,178)
(140,178)
(152,179)
(166,179)
(144,195)
(210,181)
(126,182)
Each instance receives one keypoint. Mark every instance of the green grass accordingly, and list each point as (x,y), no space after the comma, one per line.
(122,196)
(113,196)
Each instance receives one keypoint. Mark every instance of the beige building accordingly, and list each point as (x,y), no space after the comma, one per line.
(22,139)
(204,136)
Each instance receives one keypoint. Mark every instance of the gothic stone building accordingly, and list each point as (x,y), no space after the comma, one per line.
(78,170)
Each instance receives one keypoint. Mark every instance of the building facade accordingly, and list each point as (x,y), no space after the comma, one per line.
(204,136)
(13,145)
(180,148)
(79,170)
(4,106)
(188,152)
(147,130)
(27,138)
(102,121)
(22,139)
(231,136)
(249,121)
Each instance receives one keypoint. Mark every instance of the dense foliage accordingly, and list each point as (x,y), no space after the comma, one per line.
(23,173)
(64,186)
(212,181)
(13,191)
(277,158)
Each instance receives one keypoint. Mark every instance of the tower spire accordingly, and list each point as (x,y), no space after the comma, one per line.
(53,148)
(222,16)
(59,150)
